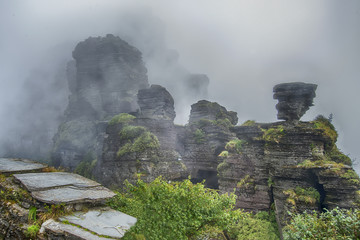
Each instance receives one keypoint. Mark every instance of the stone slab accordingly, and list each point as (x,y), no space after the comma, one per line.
(43,181)
(11,165)
(51,227)
(106,221)
(71,195)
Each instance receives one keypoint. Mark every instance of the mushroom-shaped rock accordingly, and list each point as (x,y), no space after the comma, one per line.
(156,103)
(294,99)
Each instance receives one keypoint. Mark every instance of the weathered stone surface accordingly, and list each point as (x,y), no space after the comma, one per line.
(61,231)
(294,99)
(147,162)
(156,103)
(65,192)
(204,139)
(109,74)
(106,222)
(211,111)
(43,181)
(104,81)
(11,165)
(71,195)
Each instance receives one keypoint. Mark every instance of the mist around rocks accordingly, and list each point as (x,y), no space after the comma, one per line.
(244,47)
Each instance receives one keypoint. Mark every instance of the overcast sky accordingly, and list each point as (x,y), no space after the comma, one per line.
(244,46)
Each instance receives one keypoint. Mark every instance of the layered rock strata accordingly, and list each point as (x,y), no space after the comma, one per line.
(103,80)
(204,138)
(294,99)
(144,145)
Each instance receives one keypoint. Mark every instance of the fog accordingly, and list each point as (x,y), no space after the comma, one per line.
(244,46)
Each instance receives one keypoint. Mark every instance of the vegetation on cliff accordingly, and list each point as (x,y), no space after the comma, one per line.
(335,224)
(183,210)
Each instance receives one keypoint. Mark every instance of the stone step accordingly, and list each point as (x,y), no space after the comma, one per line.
(56,188)
(13,165)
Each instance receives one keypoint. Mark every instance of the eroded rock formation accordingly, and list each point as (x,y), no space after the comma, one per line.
(103,80)
(144,145)
(294,99)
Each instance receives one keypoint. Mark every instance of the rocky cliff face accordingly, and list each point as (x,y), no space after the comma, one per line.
(103,80)
(144,145)
(285,166)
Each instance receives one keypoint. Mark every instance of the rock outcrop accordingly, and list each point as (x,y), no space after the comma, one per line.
(156,103)
(203,139)
(103,80)
(294,99)
(144,145)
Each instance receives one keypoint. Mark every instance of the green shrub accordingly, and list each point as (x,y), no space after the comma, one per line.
(235,145)
(351,176)
(327,128)
(334,224)
(86,166)
(131,132)
(337,156)
(146,141)
(249,123)
(123,118)
(33,230)
(32,214)
(245,226)
(245,182)
(199,136)
(178,210)
(307,195)
(224,154)
(273,134)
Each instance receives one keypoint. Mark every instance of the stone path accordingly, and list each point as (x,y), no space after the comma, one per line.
(99,222)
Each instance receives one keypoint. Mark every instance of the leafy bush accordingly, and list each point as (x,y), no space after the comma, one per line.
(131,132)
(328,129)
(32,230)
(235,145)
(123,118)
(146,141)
(199,136)
(179,210)
(224,154)
(86,166)
(334,224)
(273,134)
(247,226)
(308,195)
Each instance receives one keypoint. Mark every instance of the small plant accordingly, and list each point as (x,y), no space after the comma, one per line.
(327,128)
(123,118)
(32,214)
(86,166)
(222,166)
(224,154)
(33,230)
(249,123)
(351,176)
(335,224)
(246,182)
(199,136)
(270,182)
(146,141)
(235,145)
(273,134)
(307,195)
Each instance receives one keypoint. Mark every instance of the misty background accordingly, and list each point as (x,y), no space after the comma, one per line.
(245,47)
